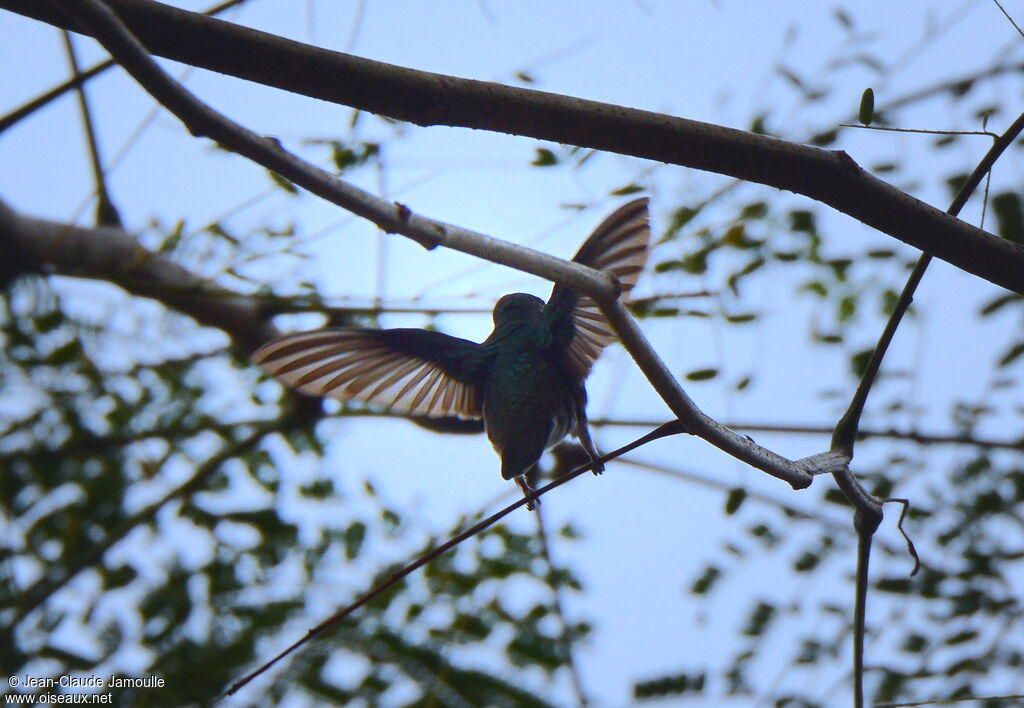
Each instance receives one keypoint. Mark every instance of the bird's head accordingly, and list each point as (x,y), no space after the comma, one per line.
(517,308)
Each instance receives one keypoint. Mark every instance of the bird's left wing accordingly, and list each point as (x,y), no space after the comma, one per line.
(412,372)
(619,246)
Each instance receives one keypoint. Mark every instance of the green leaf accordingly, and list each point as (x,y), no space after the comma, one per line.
(898,586)
(866,112)
(764,534)
(914,644)
(961,637)
(859,362)
(680,218)
(806,562)
(65,354)
(824,138)
(353,538)
(847,308)
(734,279)
(755,210)
(881,253)
(319,489)
(817,287)
(735,236)
(828,337)
(759,619)
(1012,355)
(1009,213)
(734,500)
(702,374)
(956,182)
(118,577)
(889,299)
(707,580)
(665,312)
(961,88)
(283,183)
(839,267)
(49,321)
(471,626)
(628,189)
(999,302)
(802,221)
(668,686)
(544,158)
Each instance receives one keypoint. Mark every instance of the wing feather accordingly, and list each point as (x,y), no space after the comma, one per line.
(404,371)
(619,246)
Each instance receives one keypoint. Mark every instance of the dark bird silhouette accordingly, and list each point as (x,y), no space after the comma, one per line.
(526,380)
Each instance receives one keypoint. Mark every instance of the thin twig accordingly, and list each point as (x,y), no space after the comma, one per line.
(911,549)
(106,212)
(984,700)
(923,131)
(43,100)
(913,436)
(1008,18)
(868,516)
(566,637)
(670,428)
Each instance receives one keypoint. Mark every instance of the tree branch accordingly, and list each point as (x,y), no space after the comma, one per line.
(602,287)
(868,513)
(44,99)
(109,253)
(846,429)
(913,436)
(423,98)
(693,420)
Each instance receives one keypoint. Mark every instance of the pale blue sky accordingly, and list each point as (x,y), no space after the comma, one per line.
(646,537)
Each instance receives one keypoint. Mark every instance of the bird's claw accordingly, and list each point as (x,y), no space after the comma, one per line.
(528,491)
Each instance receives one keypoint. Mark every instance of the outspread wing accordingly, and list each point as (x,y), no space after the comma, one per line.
(405,371)
(619,245)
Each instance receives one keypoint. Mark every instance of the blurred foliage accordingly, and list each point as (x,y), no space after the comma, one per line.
(124,432)
(147,455)
(953,631)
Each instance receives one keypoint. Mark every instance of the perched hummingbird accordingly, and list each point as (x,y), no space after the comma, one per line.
(526,380)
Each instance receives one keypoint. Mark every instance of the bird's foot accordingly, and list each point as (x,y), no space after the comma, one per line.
(596,466)
(528,492)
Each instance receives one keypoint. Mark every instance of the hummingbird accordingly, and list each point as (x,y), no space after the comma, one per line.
(526,380)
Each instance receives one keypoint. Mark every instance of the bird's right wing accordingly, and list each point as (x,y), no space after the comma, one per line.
(412,372)
(619,246)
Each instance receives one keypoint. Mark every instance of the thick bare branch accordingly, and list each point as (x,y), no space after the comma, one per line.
(602,287)
(109,253)
(424,98)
